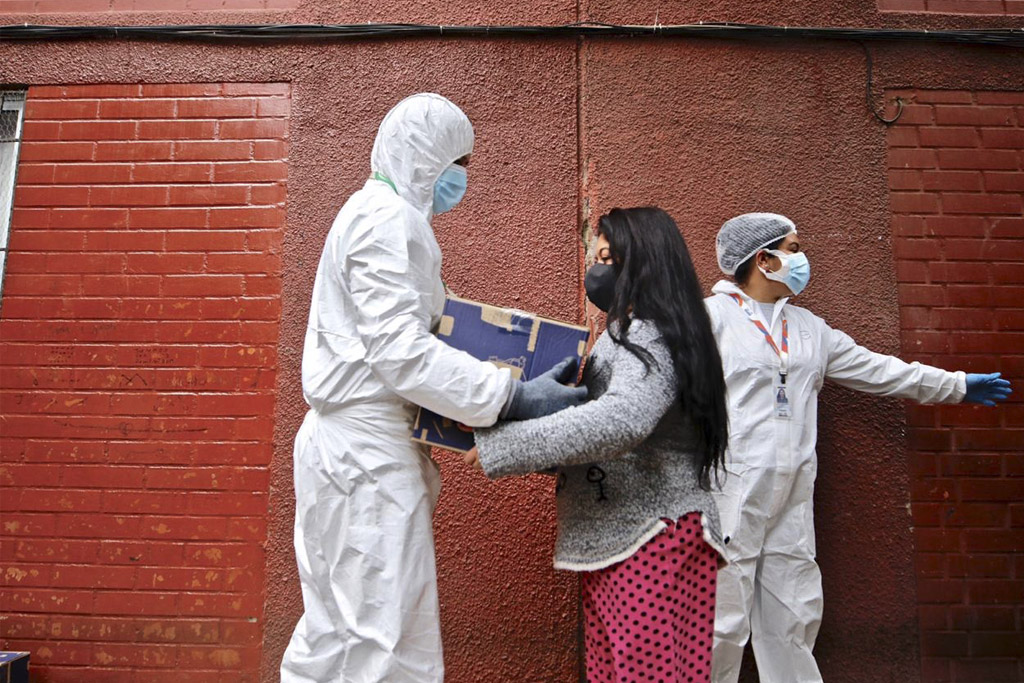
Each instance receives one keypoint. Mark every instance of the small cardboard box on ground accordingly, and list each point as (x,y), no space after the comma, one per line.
(14,667)
(525,343)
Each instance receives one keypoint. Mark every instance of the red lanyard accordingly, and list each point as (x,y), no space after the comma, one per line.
(784,353)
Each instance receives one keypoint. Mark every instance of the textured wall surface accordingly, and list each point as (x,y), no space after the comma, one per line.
(954,6)
(712,129)
(140,322)
(740,129)
(565,130)
(956,171)
(66,6)
(507,615)
(512,241)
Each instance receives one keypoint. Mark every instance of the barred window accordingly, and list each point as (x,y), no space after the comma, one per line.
(12,108)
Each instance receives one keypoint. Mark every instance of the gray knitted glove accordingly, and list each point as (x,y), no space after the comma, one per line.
(546,393)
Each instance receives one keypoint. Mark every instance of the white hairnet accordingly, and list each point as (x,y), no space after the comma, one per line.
(741,237)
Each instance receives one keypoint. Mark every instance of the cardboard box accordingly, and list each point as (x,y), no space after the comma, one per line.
(525,343)
(14,667)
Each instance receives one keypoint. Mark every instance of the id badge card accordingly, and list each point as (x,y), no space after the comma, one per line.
(780,398)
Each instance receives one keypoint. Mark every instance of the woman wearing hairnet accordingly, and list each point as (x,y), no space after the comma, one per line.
(364,492)
(775,357)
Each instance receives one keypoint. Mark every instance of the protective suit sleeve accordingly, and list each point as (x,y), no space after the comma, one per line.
(855,367)
(389,276)
(605,428)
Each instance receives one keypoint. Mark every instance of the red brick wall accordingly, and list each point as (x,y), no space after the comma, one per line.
(78,6)
(954,6)
(956,172)
(139,328)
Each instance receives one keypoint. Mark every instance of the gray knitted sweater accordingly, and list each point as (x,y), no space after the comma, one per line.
(624,460)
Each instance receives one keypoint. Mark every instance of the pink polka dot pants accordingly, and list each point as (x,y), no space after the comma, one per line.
(652,616)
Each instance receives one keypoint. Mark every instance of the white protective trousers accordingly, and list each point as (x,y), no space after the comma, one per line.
(365,497)
(364,493)
(770,592)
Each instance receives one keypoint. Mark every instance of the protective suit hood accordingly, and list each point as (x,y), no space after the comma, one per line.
(420,137)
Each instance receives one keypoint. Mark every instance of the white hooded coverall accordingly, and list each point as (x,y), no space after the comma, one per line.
(771,588)
(364,493)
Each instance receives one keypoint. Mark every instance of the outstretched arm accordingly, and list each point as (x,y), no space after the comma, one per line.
(855,367)
(605,428)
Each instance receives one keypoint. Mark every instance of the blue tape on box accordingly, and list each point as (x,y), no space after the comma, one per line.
(525,343)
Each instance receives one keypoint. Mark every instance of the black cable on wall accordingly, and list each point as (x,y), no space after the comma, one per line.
(1008,37)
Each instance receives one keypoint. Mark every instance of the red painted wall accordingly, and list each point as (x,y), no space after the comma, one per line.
(783,128)
(995,7)
(957,180)
(76,6)
(565,130)
(507,614)
(140,320)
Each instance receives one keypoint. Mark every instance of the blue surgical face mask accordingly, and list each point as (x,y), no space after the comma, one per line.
(449,188)
(795,271)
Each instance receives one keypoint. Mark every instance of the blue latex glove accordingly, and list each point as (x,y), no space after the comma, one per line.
(546,393)
(986,389)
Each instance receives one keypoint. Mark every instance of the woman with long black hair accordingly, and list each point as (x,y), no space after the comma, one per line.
(636,463)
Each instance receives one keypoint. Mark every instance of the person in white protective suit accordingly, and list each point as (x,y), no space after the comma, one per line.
(775,357)
(364,492)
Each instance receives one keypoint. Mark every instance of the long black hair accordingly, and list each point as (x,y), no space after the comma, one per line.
(657,282)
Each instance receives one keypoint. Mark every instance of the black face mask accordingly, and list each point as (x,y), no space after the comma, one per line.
(600,285)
